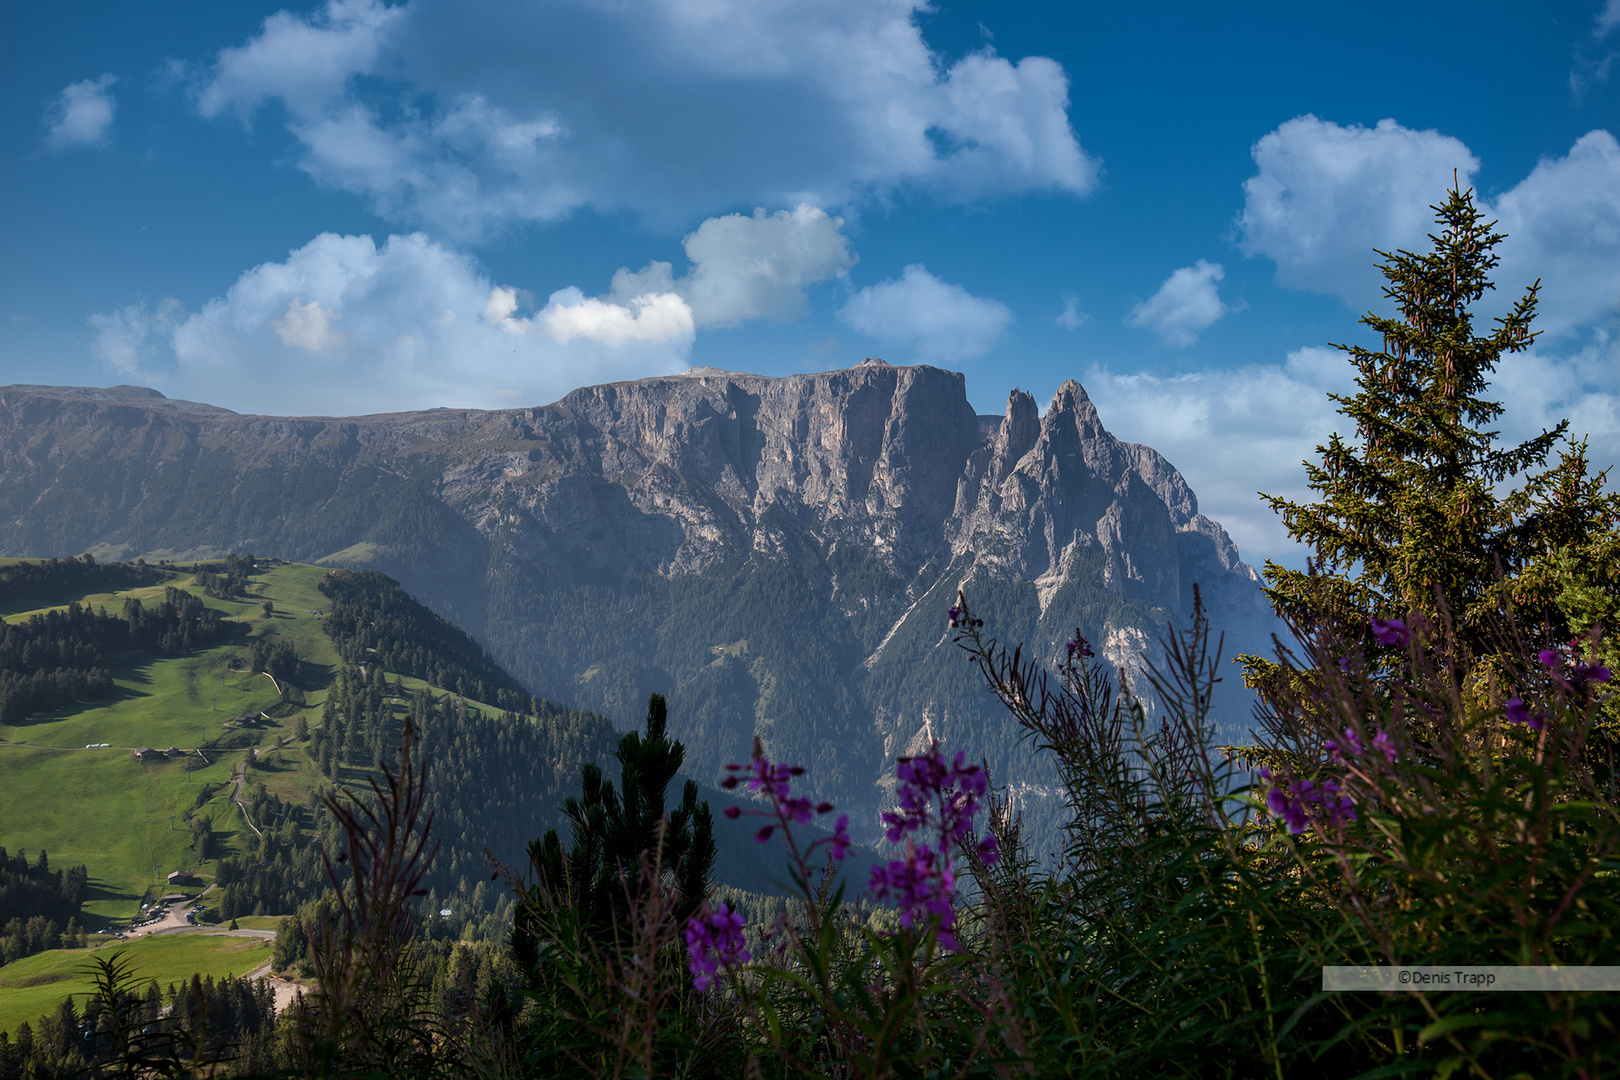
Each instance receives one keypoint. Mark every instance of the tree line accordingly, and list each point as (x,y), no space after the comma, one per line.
(61,656)
(225,580)
(497,782)
(47,579)
(226,1026)
(374,621)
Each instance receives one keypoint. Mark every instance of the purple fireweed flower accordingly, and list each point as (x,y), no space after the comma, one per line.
(1294,809)
(775,782)
(1550,658)
(928,785)
(1078,648)
(1519,713)
(938,800)
(840,837)
(922,886)
(714,939)
(1585,673)
(1382,741)
(1339,807)
(1294,803)
(1391,632)
(958,618)
(1349,743)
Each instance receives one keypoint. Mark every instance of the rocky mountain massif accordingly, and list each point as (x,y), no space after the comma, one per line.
(774,554)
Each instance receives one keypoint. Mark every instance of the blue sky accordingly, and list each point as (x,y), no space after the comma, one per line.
(360,206)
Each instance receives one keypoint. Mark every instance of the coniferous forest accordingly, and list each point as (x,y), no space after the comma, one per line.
(39,906)
(61,656)
(498,777)
(1430,784)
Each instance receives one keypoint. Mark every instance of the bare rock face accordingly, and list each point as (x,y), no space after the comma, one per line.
(868,456)
(1041,489)
(776,554)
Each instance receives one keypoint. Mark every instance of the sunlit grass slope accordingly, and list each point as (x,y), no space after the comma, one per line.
(38,984)
(122,817)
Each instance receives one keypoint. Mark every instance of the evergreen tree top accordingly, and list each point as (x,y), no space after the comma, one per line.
(1410,507)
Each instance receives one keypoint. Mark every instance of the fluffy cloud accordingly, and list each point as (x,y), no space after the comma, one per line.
(305,62)
(749,267)
(345,326)
(309,327)
(1563,226)
(1071,317)
(662,109)
(1607,19)
(1234,433)
(124,335)
(1325,196)
(941,322)
(1188,303)
(81,114)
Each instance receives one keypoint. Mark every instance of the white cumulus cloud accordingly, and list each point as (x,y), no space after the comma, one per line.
(309,327)
(939,321)
(1071,317)
(663,109)
(749,267)
(346,326)
(654,317)
(307,62)
(82,114)
(1325,196)
(1188,303)
(1563,226)
(1607,19)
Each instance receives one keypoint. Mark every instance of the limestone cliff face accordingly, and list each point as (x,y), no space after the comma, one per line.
(869,456)
(678,534)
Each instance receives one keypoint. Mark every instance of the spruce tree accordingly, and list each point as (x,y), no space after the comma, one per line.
(615,833)
(1408,513)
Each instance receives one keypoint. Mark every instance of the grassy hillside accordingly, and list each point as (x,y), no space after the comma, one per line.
(499,778)
(126,819)
(121,817)
(37,984)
